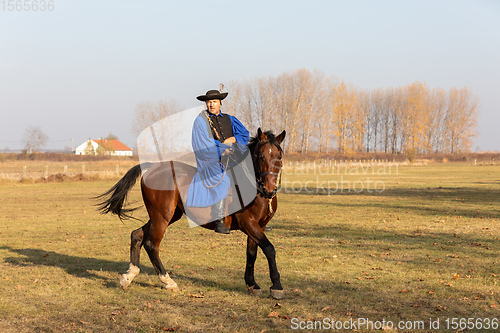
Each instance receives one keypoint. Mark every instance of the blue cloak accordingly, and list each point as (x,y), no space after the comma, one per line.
(208,152)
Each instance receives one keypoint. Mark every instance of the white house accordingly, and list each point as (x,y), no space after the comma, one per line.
(109,147)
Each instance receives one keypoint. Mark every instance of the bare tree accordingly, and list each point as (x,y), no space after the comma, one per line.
(89,148)
(111,136)
(396,116)
(461,119)
(349,119)
(434,131)
(34,139)
(104,147)
(377,116)
(147,113)
(245,103)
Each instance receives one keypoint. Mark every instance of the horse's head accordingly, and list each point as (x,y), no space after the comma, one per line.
(267,154)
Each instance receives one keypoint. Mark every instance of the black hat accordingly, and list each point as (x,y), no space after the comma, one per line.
(212,94)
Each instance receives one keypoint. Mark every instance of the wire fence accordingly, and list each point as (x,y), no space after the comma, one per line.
(40,170)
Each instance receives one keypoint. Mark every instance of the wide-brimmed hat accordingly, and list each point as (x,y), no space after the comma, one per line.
(212,94)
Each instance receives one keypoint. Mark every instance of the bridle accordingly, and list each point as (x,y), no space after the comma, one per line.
(261,189)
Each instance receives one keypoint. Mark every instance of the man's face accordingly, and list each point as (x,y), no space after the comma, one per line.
(213,106)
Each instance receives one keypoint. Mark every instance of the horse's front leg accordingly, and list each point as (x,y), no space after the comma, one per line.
(257,235)
(253,287)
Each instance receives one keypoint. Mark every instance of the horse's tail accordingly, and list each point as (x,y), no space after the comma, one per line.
(115,198)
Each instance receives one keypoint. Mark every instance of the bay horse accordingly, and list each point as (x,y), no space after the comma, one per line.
(165,207)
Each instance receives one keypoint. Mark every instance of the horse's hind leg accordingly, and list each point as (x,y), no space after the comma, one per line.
(152,246)
(135,252)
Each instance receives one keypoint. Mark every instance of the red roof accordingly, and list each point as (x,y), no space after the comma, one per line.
(117,145)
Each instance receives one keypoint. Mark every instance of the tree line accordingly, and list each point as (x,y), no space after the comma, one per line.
(324,114)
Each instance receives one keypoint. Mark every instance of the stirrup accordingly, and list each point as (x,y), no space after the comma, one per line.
(220,227)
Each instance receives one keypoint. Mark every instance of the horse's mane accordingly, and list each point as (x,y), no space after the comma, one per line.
(270,137)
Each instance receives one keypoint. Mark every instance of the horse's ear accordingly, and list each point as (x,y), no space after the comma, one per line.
(281,137)
(261,135)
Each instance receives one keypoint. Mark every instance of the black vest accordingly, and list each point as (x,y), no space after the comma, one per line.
(222,124)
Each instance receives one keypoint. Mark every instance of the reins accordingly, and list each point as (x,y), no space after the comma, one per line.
(223,174)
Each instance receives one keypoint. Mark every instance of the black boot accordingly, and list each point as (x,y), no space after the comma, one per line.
(219,209)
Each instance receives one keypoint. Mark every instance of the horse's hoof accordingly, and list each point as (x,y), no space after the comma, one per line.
(277,294)
(254,292)
(168,283)
(171,286)
(124,281)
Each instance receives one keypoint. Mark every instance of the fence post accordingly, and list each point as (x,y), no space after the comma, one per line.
(65,169)
(24,171)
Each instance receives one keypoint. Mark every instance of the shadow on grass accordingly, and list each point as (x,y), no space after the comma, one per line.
(84,267)
(81,267)
(433,200)
(344,234)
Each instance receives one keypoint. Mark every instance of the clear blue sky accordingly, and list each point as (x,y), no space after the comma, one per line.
(80,70)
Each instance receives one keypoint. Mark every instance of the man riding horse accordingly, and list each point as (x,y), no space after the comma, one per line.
(257,170)
(214,134)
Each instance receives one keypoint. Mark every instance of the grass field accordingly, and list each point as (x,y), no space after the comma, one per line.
(422,243)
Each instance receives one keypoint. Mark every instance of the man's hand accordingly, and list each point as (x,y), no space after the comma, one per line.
(230,141)
(227,151)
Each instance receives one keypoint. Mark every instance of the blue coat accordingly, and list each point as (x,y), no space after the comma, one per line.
(208,152)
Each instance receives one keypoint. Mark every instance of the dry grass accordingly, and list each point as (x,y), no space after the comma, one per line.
(425,247)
